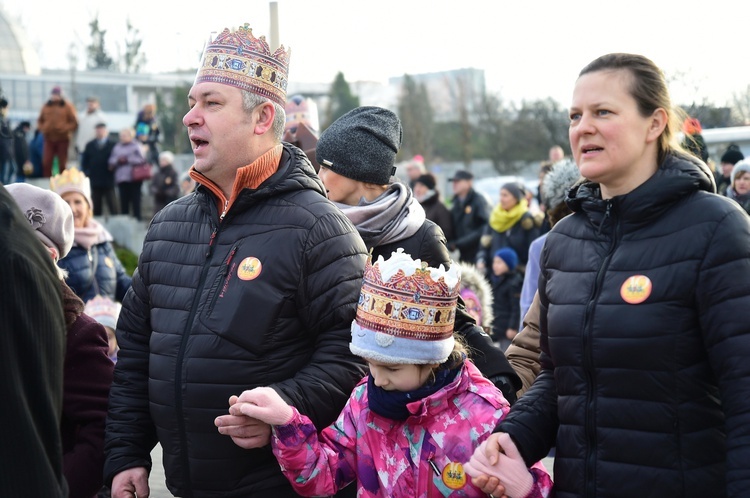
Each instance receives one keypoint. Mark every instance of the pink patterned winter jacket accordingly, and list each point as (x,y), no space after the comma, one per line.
(421,457)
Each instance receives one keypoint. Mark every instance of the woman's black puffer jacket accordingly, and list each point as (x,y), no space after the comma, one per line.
(264,298)
(650,398)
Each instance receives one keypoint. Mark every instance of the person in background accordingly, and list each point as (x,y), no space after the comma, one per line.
(95,165)
(36,151)
(506,291)
(8,167)
(643,290)
(125,154)
(92,265)
(561,177)
(164,185)
(511,224)
(425,191)
(147,132)
(88,122)
(252,280)
(21,151)
(57,122)
(357,156)
(739,190)
(32,347)
(556,153)
(187,184)
(415,386)
(87,372)
(106,311)
(470,212)
(415,168)
(476,293)
(693,139)
(729,158)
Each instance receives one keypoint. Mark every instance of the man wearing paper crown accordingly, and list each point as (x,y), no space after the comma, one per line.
(252,280)
(409,427)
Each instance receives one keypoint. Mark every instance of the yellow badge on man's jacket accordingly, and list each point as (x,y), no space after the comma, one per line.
(249,269)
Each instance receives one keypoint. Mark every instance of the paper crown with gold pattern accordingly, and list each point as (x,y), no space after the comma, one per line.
(406,311)
(239,59)
(71,180)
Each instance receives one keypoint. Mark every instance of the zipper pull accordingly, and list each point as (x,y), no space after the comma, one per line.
(224,212)
(211,241)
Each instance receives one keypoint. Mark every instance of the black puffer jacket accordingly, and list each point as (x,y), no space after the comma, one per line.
(266,297)
(648,399)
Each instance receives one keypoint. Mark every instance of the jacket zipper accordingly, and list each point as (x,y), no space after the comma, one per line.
(589,476)
(220,278)
(180,416)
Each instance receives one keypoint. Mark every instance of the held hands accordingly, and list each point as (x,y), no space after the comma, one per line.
(497,467)
(249,416)
(265,404)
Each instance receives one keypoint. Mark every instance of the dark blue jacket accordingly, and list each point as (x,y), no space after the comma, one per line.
(101,260)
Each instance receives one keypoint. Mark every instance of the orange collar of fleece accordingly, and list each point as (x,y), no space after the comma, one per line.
(250,176)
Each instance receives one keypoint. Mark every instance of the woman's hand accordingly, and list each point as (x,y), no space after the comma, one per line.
(497,468)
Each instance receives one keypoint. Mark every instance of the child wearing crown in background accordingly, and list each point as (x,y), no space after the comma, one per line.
(411,424)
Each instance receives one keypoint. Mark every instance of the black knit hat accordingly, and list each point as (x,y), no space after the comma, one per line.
(732,155)
(362,145)
(427,180)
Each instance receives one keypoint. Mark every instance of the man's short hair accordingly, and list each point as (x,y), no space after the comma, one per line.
(252,100)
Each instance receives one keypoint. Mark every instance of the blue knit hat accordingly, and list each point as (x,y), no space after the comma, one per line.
(362,145)
(508,255)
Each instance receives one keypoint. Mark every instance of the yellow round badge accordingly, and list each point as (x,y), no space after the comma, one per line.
(249,268)
(454,476)
(636,289)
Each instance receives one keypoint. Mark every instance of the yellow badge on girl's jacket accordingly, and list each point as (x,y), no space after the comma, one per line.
(454,476)
(249,268)
(636,289)
(108,261)
(467,210)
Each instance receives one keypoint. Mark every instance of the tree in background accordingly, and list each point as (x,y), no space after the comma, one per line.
(417,120)
(493,131)
(341,101)
(133,59)
(741,109)
(97,56)
(172,108)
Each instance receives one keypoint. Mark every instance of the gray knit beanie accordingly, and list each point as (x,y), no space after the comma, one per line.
(362,145)
(48,214)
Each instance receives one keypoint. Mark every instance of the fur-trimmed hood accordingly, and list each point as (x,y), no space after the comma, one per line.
(472,281)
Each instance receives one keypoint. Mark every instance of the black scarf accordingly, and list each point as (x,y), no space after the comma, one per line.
(392,404)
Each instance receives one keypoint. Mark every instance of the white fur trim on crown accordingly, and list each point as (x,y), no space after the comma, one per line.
(386,348)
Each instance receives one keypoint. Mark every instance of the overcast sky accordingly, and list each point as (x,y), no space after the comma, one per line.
(528,49)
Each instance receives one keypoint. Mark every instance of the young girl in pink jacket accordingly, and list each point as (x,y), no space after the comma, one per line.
(413,422)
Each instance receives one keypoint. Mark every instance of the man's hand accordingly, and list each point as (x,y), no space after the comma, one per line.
(246,432)
(131,483)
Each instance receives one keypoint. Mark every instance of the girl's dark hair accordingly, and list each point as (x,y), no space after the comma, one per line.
(649,89)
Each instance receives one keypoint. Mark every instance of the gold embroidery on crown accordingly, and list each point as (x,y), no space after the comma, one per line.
(413,307)
(239,59)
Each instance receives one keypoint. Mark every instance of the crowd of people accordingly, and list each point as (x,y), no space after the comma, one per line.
(109,163)
(331,330)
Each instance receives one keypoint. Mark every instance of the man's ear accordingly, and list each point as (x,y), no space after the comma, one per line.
(266,114)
